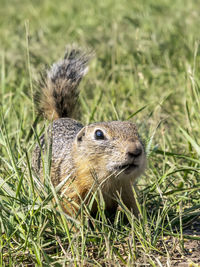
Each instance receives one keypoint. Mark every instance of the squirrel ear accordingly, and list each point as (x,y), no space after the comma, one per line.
(80,135)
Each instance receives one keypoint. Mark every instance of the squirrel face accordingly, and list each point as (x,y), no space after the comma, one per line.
(109,148)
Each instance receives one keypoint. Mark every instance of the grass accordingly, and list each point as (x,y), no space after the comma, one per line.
(146,69)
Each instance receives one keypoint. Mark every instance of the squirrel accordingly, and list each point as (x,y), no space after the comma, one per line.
(105,155)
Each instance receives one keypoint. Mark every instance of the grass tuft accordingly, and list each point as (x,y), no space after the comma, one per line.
(146,69)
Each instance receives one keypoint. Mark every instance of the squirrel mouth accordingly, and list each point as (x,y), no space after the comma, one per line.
(127,168)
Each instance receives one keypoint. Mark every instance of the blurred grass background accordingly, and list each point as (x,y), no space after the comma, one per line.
(147,57)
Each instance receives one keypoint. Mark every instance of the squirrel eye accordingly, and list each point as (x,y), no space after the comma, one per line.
(99,135)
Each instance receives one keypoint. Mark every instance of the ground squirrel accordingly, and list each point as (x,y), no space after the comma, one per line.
(109,155)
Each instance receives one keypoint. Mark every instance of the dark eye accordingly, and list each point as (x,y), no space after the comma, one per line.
(99,135)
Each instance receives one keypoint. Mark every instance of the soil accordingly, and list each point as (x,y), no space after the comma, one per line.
(186,253)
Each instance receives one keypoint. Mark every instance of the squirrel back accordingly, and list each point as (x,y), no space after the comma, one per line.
(105,155)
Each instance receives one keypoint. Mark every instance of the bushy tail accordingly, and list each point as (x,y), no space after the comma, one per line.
(58,91)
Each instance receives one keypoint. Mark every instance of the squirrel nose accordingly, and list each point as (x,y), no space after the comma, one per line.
(134,149)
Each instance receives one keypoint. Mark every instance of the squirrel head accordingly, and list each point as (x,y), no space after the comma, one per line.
(109,149)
